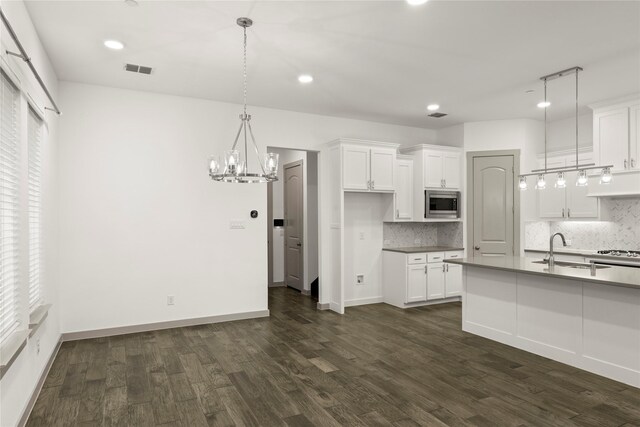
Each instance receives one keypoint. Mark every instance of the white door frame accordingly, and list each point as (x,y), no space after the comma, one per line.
(303,249)
(516,196)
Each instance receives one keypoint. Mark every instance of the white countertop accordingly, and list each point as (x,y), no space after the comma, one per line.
(617,276)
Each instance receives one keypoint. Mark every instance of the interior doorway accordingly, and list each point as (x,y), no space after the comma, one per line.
(493,208)
(292,223)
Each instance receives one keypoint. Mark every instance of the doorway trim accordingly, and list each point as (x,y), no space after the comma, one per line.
(516,195)
(304,223)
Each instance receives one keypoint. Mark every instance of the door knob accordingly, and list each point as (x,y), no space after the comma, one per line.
(477,248)
(298,244)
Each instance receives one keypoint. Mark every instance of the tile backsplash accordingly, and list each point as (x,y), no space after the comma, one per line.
(621,230)
(403,234)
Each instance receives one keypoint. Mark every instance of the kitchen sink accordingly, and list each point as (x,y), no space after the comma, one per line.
(582,265)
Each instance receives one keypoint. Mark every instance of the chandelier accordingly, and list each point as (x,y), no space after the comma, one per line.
(559,172)
(234,165)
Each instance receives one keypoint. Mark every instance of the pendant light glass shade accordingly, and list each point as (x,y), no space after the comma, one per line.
(561,181)
(235,163)
(523,183)
(582,180)
(541,184)
(605,176)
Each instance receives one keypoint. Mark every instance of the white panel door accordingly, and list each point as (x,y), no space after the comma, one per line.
(453,280)
(404,189)
(551,200)
(294,226)
(435,281)
(433,169)
(611,137)
(416,283)
(382,169)
(451,170)
(634,143)
(355,168)
(578,204)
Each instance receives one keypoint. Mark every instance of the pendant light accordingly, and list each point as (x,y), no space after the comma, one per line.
(561,181)
(234,167)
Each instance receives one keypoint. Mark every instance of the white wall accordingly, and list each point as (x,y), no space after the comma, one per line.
(140,218)
(19,382)
(524,135)
(452,136)
(363,241)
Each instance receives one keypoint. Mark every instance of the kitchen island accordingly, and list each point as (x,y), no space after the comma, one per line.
(566,314)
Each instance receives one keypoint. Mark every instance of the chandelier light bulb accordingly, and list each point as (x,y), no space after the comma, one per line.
(605,176)
(541,184)
(582,180)
(214,165)
(561,181)
(523,183)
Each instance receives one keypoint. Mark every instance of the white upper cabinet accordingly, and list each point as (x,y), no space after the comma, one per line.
(382,169)
(616,135)
(570,202)
(442,169)
(368,166)
(355,168)
(404,190)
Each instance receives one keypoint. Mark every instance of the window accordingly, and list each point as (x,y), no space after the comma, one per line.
(9,207)
(34,137)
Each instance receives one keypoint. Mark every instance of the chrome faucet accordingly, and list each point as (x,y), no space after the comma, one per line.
(564,243)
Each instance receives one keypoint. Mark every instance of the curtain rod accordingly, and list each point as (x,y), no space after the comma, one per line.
(23,55)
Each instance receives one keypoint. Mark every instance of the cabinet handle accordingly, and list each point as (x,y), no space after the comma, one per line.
(454,256)
(447,267)
(633,163)
(436,257)
(477,248)
(443,268)
(625,163)
(373,184)
(444,183)
(562,212)
(569,213)
(397,213)
(425,269)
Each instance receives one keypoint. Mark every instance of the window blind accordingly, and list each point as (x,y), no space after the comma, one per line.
(34,137)
(9,204)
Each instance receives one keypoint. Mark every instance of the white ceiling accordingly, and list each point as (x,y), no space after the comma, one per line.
(381,61)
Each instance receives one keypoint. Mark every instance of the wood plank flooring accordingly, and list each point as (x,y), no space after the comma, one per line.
(375,366)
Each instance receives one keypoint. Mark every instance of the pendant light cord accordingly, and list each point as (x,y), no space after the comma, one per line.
(244,71)
(577,163)
(545,125)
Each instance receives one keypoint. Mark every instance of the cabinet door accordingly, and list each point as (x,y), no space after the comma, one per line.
(416,283)
(435,281)
(355,168)
(634,143)
(578,204)
(611,137)
(404,189)
(382,168)
(433,169)
(551,200)
(453,280)
(451,170)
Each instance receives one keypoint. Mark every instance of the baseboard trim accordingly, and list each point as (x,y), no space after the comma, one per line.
(277,285)
(323,306)
(363,301)
(306,292)
(36,391)
(146,327)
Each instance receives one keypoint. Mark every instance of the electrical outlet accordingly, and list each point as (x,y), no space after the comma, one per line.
(171,300)
(416,241)
(360,279)
(568,242)
(38,346)
(387,242)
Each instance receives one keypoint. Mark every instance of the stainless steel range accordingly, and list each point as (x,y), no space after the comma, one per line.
(620,253)
(619,257)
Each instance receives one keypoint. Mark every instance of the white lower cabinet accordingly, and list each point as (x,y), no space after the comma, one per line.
(420,277)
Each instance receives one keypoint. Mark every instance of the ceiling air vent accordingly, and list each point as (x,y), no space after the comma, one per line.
(437,115)
(138,68)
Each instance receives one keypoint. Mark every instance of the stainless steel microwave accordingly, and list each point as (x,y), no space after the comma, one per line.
(441,204)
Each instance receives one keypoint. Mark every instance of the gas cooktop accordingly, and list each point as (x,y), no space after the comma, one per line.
(619,252)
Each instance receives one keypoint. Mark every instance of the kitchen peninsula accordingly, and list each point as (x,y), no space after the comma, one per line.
(564,313)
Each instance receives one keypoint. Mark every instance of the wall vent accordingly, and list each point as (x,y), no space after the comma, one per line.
(138,68)
(437,115)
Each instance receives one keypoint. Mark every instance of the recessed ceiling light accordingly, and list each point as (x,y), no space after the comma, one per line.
(113,44)
(433,107)
(305,78)
(543,104)
(416,2)
(132,3)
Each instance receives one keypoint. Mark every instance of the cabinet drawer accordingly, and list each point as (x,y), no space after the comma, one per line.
(454,255)
(416,259)
(435,256)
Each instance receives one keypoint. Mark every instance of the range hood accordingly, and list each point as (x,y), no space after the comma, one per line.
(624,184)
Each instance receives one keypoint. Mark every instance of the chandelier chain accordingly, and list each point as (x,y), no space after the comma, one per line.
(244,70)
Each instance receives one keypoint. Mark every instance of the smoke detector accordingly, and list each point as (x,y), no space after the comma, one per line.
(437,115)
(138,68)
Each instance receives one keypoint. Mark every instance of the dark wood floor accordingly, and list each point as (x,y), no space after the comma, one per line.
(376,365)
